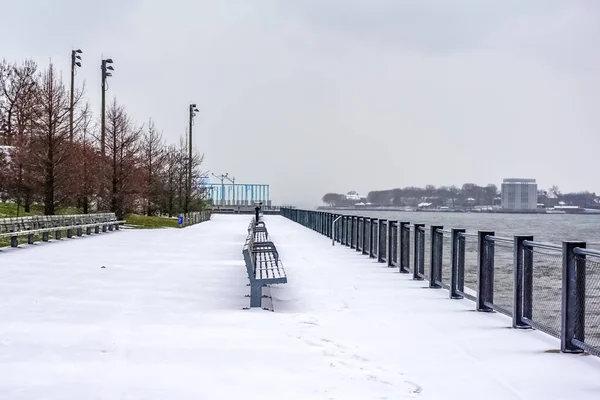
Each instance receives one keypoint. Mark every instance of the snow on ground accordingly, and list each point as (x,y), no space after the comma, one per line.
(164,320)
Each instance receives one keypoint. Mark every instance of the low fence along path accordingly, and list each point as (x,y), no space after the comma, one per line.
(165,318)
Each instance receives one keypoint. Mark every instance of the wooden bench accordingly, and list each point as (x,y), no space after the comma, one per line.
(263,266)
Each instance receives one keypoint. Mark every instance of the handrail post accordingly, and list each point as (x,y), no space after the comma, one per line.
(404,228)
(365,232)
(435,267)
(417,250)
(333,230)
(573,298)
(522,283)
(456,264)
(359,224)
(349,220)
(485,272)
(371,237)
(381,240)
(392,244)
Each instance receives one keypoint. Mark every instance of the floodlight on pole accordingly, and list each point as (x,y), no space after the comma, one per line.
(105,74)
(75,62)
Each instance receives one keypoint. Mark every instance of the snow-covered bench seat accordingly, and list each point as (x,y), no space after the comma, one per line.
(263,266)
(259,230)
(44,225)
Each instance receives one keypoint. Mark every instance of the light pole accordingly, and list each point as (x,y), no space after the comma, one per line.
(105,74)
(233,183)
(222,178)
(188,197)
(75,62)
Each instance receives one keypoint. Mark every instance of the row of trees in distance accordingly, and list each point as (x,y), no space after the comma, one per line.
(468,194)
(41,163)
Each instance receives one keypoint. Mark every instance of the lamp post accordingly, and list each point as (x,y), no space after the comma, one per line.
(233,183)
(222,178)
(188,197)
(105,67)
(75,62)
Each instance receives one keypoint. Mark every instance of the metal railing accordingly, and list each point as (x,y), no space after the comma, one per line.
(196,217)
(553,288)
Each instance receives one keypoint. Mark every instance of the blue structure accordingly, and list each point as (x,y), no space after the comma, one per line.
(239,194)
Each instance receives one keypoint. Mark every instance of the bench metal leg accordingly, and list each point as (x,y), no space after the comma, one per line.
(30,238)
(58,234)
(97,229)
(111,227)
(79,231)
(116,227)
(103,228)
(69,233)
(255,295)
(14,241)
(88,230)
(45,236)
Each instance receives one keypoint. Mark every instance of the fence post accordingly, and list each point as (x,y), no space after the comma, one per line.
(349,231)
(352,228)
(573,298)
(372,241)
(391,257)
(417,250)
(522,283)
(437,248)
(404,233)
(30,238)
(358,232)
(456,275)
(364,235)
(485,271)
(380,239)
(14,241)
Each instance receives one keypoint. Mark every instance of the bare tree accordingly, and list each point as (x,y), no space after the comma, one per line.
(153,157)
(169,181)
(50,150)
(122,149)
(17,84)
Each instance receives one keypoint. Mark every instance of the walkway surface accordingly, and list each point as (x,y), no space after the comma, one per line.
(163,320)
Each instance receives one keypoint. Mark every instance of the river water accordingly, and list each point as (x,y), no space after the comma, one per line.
(553,228)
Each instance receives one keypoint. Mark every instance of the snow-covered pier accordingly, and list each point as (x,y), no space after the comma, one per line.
(159,314)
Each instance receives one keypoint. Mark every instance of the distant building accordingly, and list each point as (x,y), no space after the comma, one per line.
(519,194)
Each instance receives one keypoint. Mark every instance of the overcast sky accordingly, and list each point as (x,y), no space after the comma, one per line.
(313,96)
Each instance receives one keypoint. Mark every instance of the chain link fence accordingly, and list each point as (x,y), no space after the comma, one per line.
(503,275)
(590,312)
(546,294)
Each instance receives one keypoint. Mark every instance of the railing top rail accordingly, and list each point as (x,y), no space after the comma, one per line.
(500,239)
(586,252)
(542,245)
(467,235)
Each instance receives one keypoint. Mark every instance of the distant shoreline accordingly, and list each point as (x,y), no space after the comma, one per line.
(472,211)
